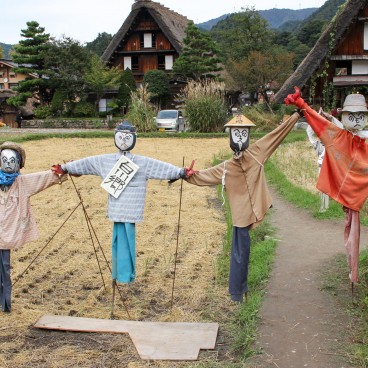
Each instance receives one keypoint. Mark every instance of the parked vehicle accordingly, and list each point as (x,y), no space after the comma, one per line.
(170,120)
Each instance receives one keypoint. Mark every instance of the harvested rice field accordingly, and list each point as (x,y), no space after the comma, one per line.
(64,279)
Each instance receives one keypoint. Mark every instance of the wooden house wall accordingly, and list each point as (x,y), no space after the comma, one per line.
(133,43)
(353,42)
(162,42)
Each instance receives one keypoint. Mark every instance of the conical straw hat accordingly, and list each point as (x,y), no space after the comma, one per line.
(239,121)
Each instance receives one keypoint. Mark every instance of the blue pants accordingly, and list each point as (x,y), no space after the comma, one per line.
(240,251)
(123,252)
(5,282)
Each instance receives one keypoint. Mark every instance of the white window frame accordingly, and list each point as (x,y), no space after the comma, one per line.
(169,62)
(147,40)
(127,62)
(365,38)
(359,67)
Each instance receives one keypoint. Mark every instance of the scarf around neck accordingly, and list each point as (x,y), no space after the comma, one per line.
(7,178)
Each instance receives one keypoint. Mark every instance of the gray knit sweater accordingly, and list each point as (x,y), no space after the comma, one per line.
(129,206)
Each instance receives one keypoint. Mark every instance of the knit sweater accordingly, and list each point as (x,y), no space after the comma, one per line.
(129,206)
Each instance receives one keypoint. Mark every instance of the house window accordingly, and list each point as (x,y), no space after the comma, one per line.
(2,86)
(147,40)
(161,62)
(12,74)
(13,85)
(359,67)
(135,63)
(127,62)
(1,74)
(365,36)
(169,61)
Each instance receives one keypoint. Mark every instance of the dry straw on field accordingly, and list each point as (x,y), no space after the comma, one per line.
(298,161)
(65,279)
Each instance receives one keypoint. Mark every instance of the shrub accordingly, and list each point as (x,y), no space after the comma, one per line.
(204,106)
(83,109)
(141,112)
(42,112)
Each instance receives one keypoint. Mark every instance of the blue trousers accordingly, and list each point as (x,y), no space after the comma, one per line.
(123,252)
(5,282)
(239,261)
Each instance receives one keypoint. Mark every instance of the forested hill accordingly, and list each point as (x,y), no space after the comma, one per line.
(275,17)
(6,48)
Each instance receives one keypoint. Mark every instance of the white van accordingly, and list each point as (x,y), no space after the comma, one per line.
(170,120)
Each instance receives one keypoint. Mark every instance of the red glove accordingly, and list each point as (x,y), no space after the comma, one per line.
(56,169)
(189,170)
(295,99)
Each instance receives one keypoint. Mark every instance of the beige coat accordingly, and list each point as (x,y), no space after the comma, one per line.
(18,225)
(244,178)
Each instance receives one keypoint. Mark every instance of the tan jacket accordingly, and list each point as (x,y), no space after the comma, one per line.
(244,178)
(18,225)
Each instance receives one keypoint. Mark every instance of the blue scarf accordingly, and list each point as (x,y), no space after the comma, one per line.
(7,178)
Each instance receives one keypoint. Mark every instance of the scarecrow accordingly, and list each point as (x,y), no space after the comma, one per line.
(125,178)
(243,178)
(320,150)
(344,174)
(17,220)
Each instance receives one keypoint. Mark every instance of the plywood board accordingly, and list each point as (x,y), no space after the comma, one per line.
(153,340)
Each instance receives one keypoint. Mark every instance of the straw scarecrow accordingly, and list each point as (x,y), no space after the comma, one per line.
(344,174)
(17,220)
(243,178)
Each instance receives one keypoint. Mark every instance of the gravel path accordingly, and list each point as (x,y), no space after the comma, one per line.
(300,324)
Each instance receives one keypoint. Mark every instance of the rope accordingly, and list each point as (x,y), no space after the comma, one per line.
(34,259)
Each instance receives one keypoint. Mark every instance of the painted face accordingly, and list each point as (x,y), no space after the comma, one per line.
(125,141)
(354,120)
(239,139)
(10,161)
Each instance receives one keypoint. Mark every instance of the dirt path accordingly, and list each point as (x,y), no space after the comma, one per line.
(300,324)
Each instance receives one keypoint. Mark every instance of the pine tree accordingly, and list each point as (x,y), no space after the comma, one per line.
(29,55)
(198,59)
(127,86)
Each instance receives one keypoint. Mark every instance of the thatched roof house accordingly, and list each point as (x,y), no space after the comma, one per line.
(150,38)
(340,54)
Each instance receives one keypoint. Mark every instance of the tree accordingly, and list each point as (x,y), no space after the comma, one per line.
(29,54)
(1,53)
(99,77)
(157,83)
(241,33)
(68,61)
(98,46)
(259,70)
(199,57)
(127,86)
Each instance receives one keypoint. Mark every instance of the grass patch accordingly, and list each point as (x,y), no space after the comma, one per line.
(334,282)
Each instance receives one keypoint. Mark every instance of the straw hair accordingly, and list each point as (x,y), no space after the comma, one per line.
(239,121)
(16,147)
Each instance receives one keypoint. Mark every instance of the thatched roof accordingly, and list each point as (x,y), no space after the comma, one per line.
(315,58)
(171,23)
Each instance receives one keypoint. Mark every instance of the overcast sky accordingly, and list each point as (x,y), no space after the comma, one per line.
(82,20)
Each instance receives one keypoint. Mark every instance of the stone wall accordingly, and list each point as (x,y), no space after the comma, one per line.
(69,124)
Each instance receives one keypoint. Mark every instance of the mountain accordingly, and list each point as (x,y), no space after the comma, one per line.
(6,48)
(275,17)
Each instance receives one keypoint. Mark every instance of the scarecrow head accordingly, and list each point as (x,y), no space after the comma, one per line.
(12,157)
(239,128)
(354,112)
(125,136)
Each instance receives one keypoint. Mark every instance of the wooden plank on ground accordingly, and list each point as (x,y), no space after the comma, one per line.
(153,340)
